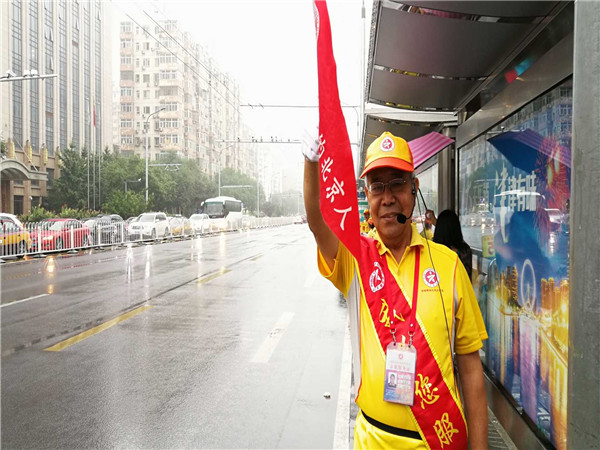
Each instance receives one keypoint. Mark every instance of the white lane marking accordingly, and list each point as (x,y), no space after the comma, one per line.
(341,434)
(24,300)
(268,346)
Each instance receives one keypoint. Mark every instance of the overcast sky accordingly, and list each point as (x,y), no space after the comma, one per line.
(270,48)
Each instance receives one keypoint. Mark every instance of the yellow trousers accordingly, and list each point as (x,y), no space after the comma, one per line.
(366,436)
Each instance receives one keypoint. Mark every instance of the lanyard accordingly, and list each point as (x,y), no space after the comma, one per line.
(413,310)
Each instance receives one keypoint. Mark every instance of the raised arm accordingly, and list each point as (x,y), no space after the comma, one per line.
(326,240)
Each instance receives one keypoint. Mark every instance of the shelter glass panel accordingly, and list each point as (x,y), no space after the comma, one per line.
(514,193)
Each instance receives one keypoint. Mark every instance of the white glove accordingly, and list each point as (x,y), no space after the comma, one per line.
(309,145)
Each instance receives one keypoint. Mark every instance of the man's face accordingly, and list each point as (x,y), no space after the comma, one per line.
(385,206)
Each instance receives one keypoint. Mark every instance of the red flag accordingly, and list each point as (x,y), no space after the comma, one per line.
(339,204)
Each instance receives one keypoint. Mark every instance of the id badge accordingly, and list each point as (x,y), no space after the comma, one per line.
(400,365)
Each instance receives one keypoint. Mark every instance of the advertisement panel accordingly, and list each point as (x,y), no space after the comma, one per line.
(514,205)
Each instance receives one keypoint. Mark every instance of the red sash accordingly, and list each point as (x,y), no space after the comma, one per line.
(437,413)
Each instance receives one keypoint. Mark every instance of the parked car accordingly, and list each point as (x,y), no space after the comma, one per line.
(180,225)
(106,229)
(150,225)
(188,230)
(56,234)
(14,239)
(200,223)
(176,225)
(127,223)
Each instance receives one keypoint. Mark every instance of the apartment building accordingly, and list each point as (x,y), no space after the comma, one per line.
(174,99)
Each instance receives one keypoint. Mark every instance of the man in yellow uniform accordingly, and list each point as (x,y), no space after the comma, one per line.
(365,227)
(396,270)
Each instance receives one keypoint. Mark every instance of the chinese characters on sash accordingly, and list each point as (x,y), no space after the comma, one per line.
(334,188)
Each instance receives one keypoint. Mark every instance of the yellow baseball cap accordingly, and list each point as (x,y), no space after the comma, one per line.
(389,151)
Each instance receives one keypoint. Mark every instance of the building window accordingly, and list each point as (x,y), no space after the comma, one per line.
(169,139)
(168,123)
(50,175)
(125,27)
(168,75)
(18,205)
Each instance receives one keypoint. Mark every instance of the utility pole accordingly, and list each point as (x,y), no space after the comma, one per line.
(147,128)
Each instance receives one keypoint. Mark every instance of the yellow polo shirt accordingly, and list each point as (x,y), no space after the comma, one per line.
(466,331)
(364,227)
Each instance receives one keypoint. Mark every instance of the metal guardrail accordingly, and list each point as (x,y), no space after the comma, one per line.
(37,239)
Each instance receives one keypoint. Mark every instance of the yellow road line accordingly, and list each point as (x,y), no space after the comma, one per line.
(213,276)
(92,331)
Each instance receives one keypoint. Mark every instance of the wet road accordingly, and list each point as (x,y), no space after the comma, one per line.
(226,341)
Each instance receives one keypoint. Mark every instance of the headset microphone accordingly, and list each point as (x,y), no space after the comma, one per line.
(401,217)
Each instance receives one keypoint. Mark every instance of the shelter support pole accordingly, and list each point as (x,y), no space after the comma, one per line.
(583,419)
(447,174)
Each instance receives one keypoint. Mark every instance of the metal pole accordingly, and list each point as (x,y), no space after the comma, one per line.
(584,311)
(88,174)
(146,158)
(220,174)
(99,177)
(257,187)
(147,126)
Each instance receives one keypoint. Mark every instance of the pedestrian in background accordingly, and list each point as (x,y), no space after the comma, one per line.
(365,227)
(449,233)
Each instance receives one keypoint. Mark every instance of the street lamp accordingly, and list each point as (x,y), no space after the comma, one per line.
(131,181)
(147,128)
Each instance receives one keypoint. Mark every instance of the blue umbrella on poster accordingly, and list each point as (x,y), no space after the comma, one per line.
(550,163)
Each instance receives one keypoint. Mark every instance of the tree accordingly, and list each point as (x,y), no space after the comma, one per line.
(70,188)
(126,205)
(192,187)
(231,177)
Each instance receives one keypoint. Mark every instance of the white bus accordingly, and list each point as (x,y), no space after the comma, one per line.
(224,212)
